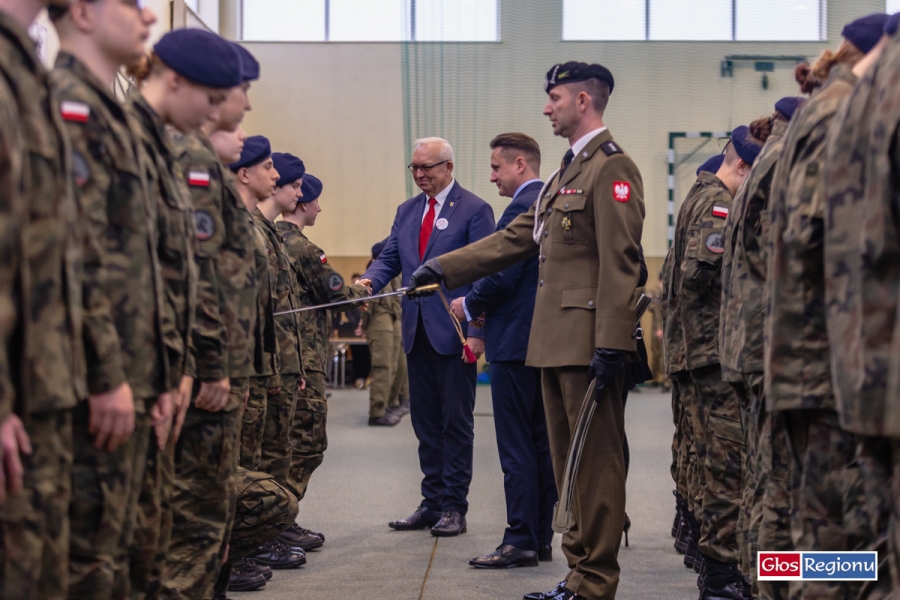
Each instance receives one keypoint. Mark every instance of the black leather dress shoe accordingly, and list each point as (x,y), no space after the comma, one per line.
(276,555)
(560,588)
(545,553)
(244,578)
(388,419)
(452,523)
(568,595)
(300,538)
(506,557)
(423,518)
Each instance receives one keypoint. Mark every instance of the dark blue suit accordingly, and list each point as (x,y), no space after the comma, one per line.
(441,385)
(507,301)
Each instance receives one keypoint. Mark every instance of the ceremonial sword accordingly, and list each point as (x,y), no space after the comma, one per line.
(431,287)
(562,512)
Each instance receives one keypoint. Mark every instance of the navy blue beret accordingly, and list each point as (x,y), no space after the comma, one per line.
(377,248)
(890,26)
(289,167)
(311,188)
(249,65)
(865,32)
(747,147)
(712,165)
(788,106)
(256,149)
(572,72)
(201,57)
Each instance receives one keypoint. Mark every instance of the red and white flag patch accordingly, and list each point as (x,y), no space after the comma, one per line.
(198,178)
(77,112)
(720,211)
(323,259)
(621,191)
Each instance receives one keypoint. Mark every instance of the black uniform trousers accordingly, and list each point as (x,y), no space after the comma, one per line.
(524,454)
(442,399)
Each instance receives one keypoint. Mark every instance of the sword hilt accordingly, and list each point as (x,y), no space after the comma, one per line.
(427,289)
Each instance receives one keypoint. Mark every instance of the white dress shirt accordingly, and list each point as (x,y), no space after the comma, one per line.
(584,140)
(441,198)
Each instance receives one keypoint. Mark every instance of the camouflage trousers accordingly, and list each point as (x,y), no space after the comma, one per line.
(828,504)
(253,422)
(385,347)
(206,458)
(34,543)
(879,461)
(105,491)
(723,437)
(683,437)
(693,448)
(770,525)
(308,438)
(750,392)
(275,453)
(152,523)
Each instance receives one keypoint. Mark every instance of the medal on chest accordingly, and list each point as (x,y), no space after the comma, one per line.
(567,223)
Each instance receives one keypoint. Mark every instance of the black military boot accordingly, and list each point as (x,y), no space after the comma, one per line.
(301,538)
(692,556)
(683,535)
(723,581)
(679,512)
(277,555)
(245,578)
(253,567)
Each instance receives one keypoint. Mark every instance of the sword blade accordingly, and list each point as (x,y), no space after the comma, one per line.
(399,292)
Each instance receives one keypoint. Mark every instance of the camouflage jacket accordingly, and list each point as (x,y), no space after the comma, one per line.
(797,363)
(177,237)
(287,328)
(743,315)
(699,237)
(383,314)
(265,281)
(43,362)
(227,332)
(318,283)
(862,254)
(113,205)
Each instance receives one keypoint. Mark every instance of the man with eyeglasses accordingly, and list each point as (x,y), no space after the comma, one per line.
(443,218)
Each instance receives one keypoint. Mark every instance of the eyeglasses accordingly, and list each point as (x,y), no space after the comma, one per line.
(424,168)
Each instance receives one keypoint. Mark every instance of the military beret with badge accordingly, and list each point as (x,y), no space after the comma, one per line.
(289,167)
(573,72)
(189,53)
(256,149)
(311,188)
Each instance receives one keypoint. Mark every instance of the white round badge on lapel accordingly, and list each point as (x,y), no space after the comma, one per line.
(442,223)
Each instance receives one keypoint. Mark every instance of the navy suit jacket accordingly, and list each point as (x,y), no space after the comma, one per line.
(507,298)
(469,218)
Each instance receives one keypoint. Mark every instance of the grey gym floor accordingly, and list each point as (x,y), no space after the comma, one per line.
(371,476)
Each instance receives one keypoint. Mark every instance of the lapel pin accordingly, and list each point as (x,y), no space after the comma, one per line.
(584,154)
(451,204)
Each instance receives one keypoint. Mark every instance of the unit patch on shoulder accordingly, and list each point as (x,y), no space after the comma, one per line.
(720,212)
(335,282)
(77,112)
(714,243)
(609,148)
(621,191)
(206,225)
(80,169)
(198,178)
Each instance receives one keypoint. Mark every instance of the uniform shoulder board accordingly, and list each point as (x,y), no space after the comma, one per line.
(609,148)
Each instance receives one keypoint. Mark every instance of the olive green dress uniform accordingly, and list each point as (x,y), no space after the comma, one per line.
(827,503)
(175,248)
(592,219)
(861,271)
(275,458)
(716,420)
(125,272)
(741,354)
(317,283)
(225,336)
(42,365)
(381,323)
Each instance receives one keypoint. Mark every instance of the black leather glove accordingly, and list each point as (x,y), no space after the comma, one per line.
(606,365)
(427,274)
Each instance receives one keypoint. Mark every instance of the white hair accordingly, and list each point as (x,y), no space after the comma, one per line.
(446,152)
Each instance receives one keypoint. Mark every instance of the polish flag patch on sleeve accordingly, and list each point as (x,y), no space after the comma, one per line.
(323,259)
(77,112)
(621,191)
(198,178)
(720,211)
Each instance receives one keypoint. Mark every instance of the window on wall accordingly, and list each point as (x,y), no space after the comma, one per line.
(371,20)
(892,6)
(699,20)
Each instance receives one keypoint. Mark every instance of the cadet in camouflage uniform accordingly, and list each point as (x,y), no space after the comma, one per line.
(861,278)
(264,510)
(717,422)
(276,445)
(826,509)
(381,324)
(159,105)
(125,272)
(42,362)
(319,283)
(225,336)
(741,350)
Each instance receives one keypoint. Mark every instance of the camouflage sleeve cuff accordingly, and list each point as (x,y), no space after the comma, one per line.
(103,376)
(211,370)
